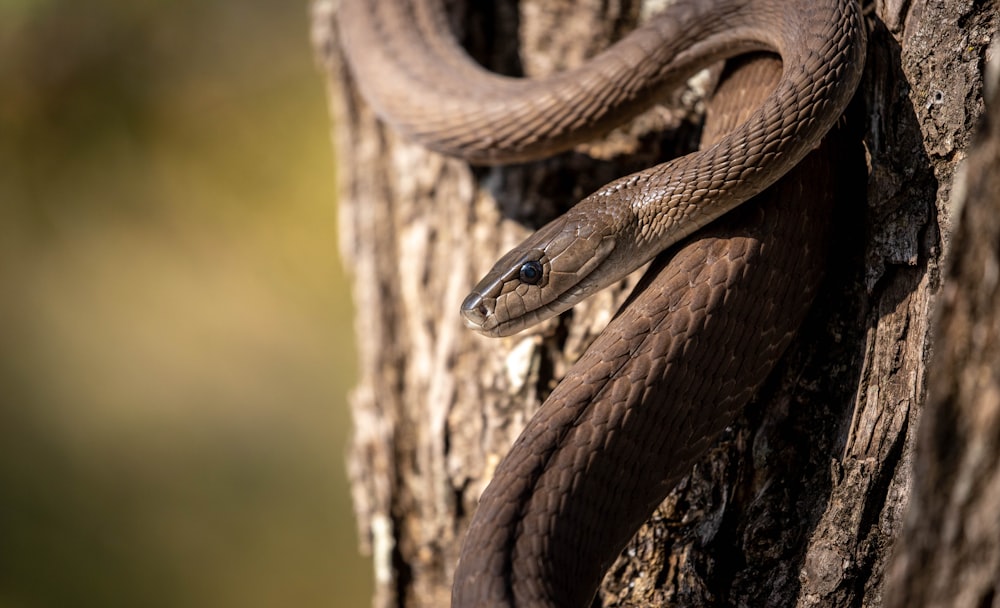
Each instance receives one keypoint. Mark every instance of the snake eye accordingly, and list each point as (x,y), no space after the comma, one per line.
(530,273)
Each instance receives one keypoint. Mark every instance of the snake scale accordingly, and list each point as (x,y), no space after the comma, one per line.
(701,332)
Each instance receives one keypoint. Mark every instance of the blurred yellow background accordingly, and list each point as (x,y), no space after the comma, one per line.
(175,325)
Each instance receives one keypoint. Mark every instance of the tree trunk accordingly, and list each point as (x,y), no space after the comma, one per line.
(801,500)
(951,541)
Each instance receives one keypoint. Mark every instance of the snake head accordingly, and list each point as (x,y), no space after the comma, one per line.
(553,269)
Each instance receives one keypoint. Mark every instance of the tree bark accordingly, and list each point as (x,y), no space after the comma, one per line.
(951,540)
(802,499)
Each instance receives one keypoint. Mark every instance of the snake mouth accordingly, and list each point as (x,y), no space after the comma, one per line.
(479,314)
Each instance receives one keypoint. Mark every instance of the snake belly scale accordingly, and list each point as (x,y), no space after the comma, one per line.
(550,522)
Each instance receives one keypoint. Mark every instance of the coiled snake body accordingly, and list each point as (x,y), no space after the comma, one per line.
(691,348)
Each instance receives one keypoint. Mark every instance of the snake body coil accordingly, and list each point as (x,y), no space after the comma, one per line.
(652,393)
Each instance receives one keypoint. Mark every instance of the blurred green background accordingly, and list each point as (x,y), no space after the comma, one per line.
(175,327)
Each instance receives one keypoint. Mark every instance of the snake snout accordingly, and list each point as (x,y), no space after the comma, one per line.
(475,311)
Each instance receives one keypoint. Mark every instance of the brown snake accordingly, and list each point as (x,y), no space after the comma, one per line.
(664,378)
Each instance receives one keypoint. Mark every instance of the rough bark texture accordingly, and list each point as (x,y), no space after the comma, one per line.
(950,548)
(800,502)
